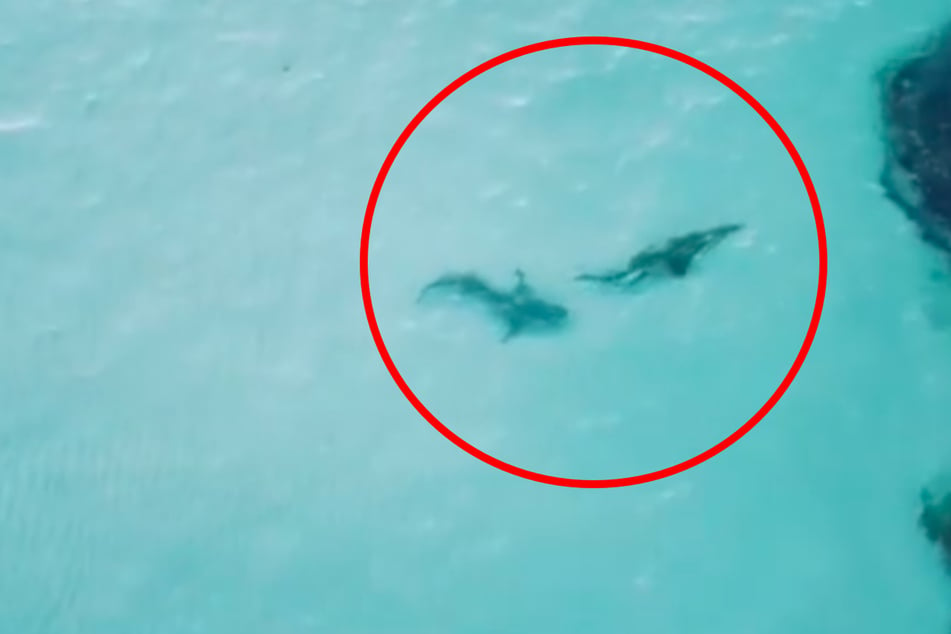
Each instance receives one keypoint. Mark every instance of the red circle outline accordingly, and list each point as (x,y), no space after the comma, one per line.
(576,482)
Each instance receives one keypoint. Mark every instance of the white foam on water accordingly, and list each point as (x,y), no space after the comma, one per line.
(20,123)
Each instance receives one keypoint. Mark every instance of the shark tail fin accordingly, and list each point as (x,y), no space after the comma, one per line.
(423,292)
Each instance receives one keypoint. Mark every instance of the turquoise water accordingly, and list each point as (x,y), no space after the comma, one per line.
(197,434)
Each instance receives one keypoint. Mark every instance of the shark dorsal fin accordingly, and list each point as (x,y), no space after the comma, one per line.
(679,263)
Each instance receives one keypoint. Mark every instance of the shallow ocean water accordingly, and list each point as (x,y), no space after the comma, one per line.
(197,434)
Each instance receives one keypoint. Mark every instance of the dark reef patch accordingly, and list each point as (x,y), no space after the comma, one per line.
(935,518)
(916,109)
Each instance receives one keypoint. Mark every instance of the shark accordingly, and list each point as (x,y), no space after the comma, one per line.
(673,259)
(520,310)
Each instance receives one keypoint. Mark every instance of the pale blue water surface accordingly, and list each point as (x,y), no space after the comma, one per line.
(196,431)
